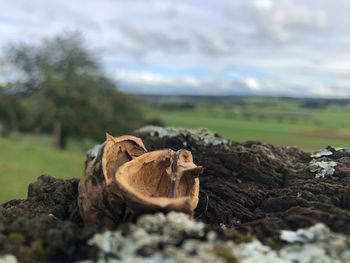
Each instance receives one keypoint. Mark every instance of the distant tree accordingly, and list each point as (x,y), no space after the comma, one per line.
(64,91)
(11,111)
(155,122)
(316,103)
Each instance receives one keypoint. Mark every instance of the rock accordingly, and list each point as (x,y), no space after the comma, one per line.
(182,137)
(180,240)
(322,168)
(316,232)
(251,188)
(322,153)
(44,226)
(176,238)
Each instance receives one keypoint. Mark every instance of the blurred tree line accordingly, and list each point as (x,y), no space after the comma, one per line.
(61,89)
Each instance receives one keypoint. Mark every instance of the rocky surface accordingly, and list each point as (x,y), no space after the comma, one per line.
(184,240)
(260,188)
(45,225)
(251,189)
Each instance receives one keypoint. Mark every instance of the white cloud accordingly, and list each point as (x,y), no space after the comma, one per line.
(266,47)
(153,41)
(278,20)
(252,84)
(153,79)
(150,82)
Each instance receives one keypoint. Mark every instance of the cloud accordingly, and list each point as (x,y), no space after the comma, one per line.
(152,40)
(252,84)
(280,20)
(266,47)
(213,46)
(154,79)
(154,83)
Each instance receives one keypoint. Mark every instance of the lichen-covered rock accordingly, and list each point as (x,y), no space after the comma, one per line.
(322,168)
(181,138)
(200,136)
(45,225)
(176,238)
(249,187)
(260,188)
(161,238)
(8,258)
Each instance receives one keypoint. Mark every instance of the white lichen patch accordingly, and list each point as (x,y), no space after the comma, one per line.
(159,238)
(342,150)
(315,244)
(330,151)
(175,238)
(322,168)
(201,136)
(316,232)
(322,153)
(95,151)
(8,258)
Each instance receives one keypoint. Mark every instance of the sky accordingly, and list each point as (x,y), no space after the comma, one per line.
(297,48)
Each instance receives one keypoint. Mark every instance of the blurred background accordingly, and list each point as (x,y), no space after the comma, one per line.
(271,70)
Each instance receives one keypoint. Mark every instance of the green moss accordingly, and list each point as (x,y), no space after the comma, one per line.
(274,242)
(344,160)
(237,237)
(226,253)
(16,238)
(10,213)
(33,253)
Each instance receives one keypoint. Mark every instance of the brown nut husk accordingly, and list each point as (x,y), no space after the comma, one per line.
(124,180)
(119,150)
(159,180)
(96,205)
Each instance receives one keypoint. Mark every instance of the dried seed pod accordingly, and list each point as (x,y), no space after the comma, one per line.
(159,180)
(123,180)
(119,150)
(96,206)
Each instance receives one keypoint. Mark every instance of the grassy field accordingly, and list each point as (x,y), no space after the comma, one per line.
(266,119)
(25,157)
(281,122)
(303,135)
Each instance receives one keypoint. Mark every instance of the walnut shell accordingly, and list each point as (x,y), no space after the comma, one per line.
(124,180)
(119,150)
(153,181)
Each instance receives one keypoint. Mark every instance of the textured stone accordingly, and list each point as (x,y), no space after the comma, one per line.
(249,187)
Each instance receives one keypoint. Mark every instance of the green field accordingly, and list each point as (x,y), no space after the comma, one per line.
(268,131)
(281,122)
(270,120)
(24,158)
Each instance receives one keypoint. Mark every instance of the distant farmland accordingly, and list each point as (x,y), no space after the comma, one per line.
(308,123)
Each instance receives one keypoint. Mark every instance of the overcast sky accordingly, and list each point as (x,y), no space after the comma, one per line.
(261,47)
